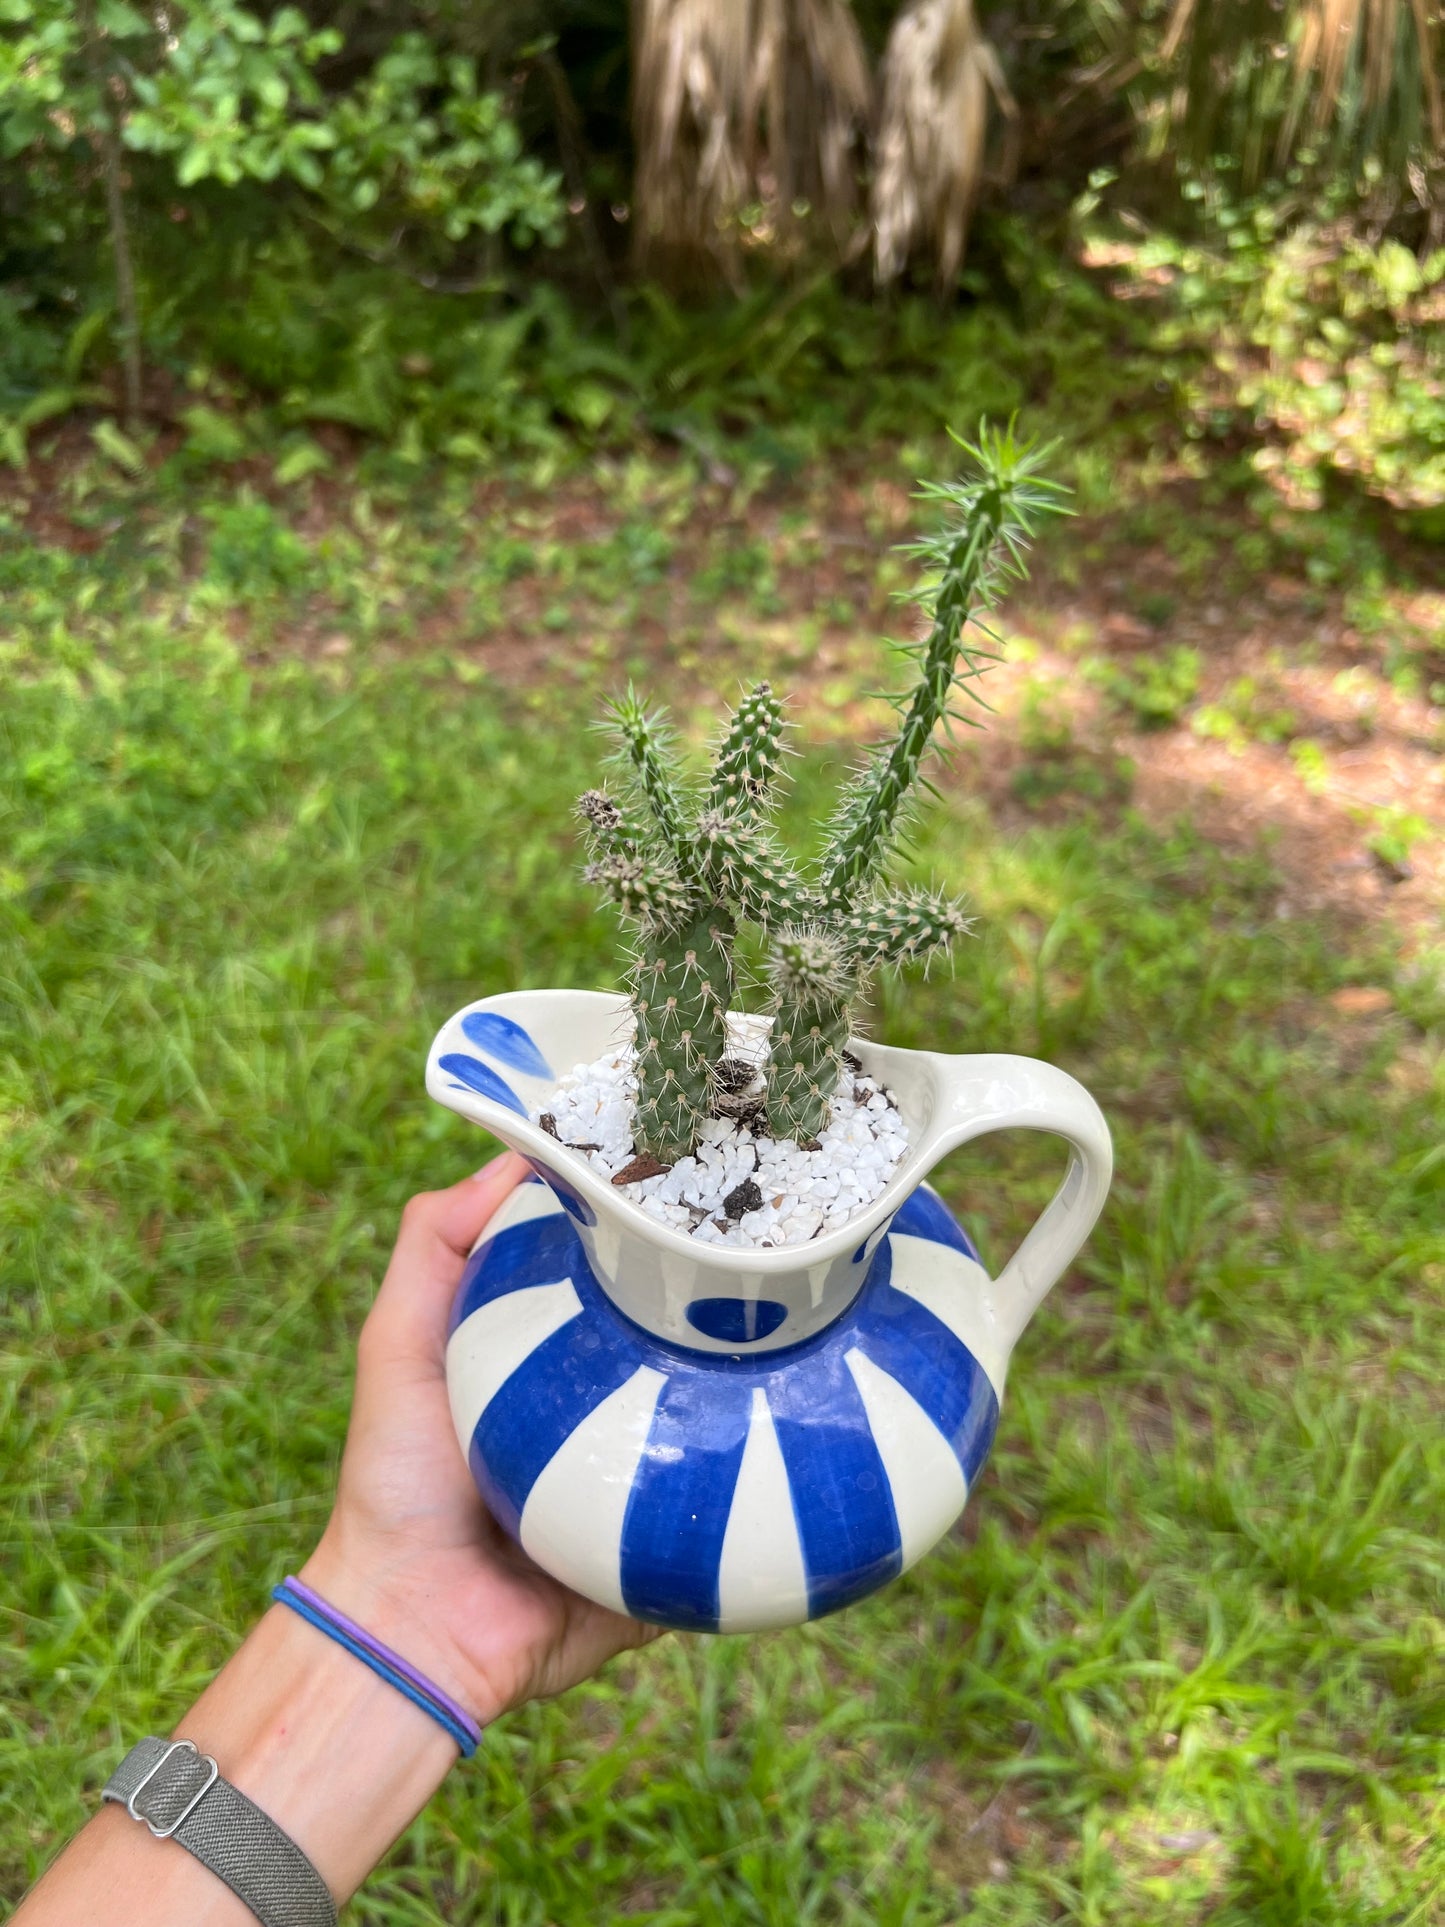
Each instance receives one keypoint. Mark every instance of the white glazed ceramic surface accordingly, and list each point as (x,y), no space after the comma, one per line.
(501,1057)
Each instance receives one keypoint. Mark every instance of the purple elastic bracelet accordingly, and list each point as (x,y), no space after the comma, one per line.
(323,1609)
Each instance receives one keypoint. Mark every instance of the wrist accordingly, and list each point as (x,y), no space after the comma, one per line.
(338,1758)
(397,1606)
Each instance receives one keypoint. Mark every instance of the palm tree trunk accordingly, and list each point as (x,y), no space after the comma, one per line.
(740,104)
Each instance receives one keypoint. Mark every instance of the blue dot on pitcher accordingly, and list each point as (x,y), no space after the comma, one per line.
(736,1321)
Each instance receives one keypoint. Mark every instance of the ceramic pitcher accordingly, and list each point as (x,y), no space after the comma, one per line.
(731,1439)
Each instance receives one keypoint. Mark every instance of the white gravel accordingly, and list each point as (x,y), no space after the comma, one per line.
(800,1194)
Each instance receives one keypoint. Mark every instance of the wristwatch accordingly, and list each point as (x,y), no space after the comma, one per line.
(179,1794)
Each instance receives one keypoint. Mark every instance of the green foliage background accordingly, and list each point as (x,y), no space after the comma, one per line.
(415,224)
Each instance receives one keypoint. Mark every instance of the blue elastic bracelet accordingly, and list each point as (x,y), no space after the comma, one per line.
(464,1740)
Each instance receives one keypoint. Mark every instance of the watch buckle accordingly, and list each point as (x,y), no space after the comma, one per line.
(176,1746)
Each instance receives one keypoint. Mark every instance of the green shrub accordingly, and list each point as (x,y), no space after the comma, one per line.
(1327,350)
(1156,690)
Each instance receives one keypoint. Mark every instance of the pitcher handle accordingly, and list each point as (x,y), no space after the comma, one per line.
(1003,1093)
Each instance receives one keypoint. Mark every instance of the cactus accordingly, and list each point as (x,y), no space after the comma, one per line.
(683,868)
(681,982)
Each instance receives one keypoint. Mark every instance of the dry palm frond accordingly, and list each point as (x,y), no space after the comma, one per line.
(1356,47)
(817,93)
(1362,75)
(742,104)
(689,76)
(938,73)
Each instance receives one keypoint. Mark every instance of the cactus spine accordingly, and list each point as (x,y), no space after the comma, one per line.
(683,869)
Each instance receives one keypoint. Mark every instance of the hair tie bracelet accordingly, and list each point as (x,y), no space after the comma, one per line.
(388,1665)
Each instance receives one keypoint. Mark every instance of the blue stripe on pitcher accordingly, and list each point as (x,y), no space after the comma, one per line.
(842,1500)
(677,1514)
(934,1366)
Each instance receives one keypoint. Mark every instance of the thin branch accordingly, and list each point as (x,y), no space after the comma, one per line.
(107,139)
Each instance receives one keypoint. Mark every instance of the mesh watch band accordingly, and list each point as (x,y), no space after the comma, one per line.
(179,1794)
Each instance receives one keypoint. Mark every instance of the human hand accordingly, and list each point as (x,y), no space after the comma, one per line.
(410,1550)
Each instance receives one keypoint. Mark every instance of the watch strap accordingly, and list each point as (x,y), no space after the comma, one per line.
(180,1795)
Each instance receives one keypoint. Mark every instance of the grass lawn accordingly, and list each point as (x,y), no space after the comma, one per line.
(266,816)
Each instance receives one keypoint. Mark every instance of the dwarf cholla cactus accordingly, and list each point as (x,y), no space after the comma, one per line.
(683,869)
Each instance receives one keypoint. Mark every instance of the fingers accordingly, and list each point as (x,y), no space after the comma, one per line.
(438,1231)
(458,1216)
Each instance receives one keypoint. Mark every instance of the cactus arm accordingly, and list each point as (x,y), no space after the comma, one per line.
(865,827)
(649,890)
(632,864)
(610,829)
(813,982)
(908,926)
(681,980)
(750,754)
(816,973)
(644,743)
(993,518)
(740,860)
(681,989)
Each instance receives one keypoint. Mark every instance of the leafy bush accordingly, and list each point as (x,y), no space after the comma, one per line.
(1329,348)
(312,332)
(225,95)
(229,96)
(1349,366)
(419,141)
(209,126)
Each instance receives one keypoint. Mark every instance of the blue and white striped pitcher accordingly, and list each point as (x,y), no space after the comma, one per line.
(729,1439)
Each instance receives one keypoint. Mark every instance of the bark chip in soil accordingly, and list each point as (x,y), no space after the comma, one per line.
(742,1198)
(640,1167)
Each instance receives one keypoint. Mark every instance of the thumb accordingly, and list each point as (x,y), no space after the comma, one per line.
(438,1231)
